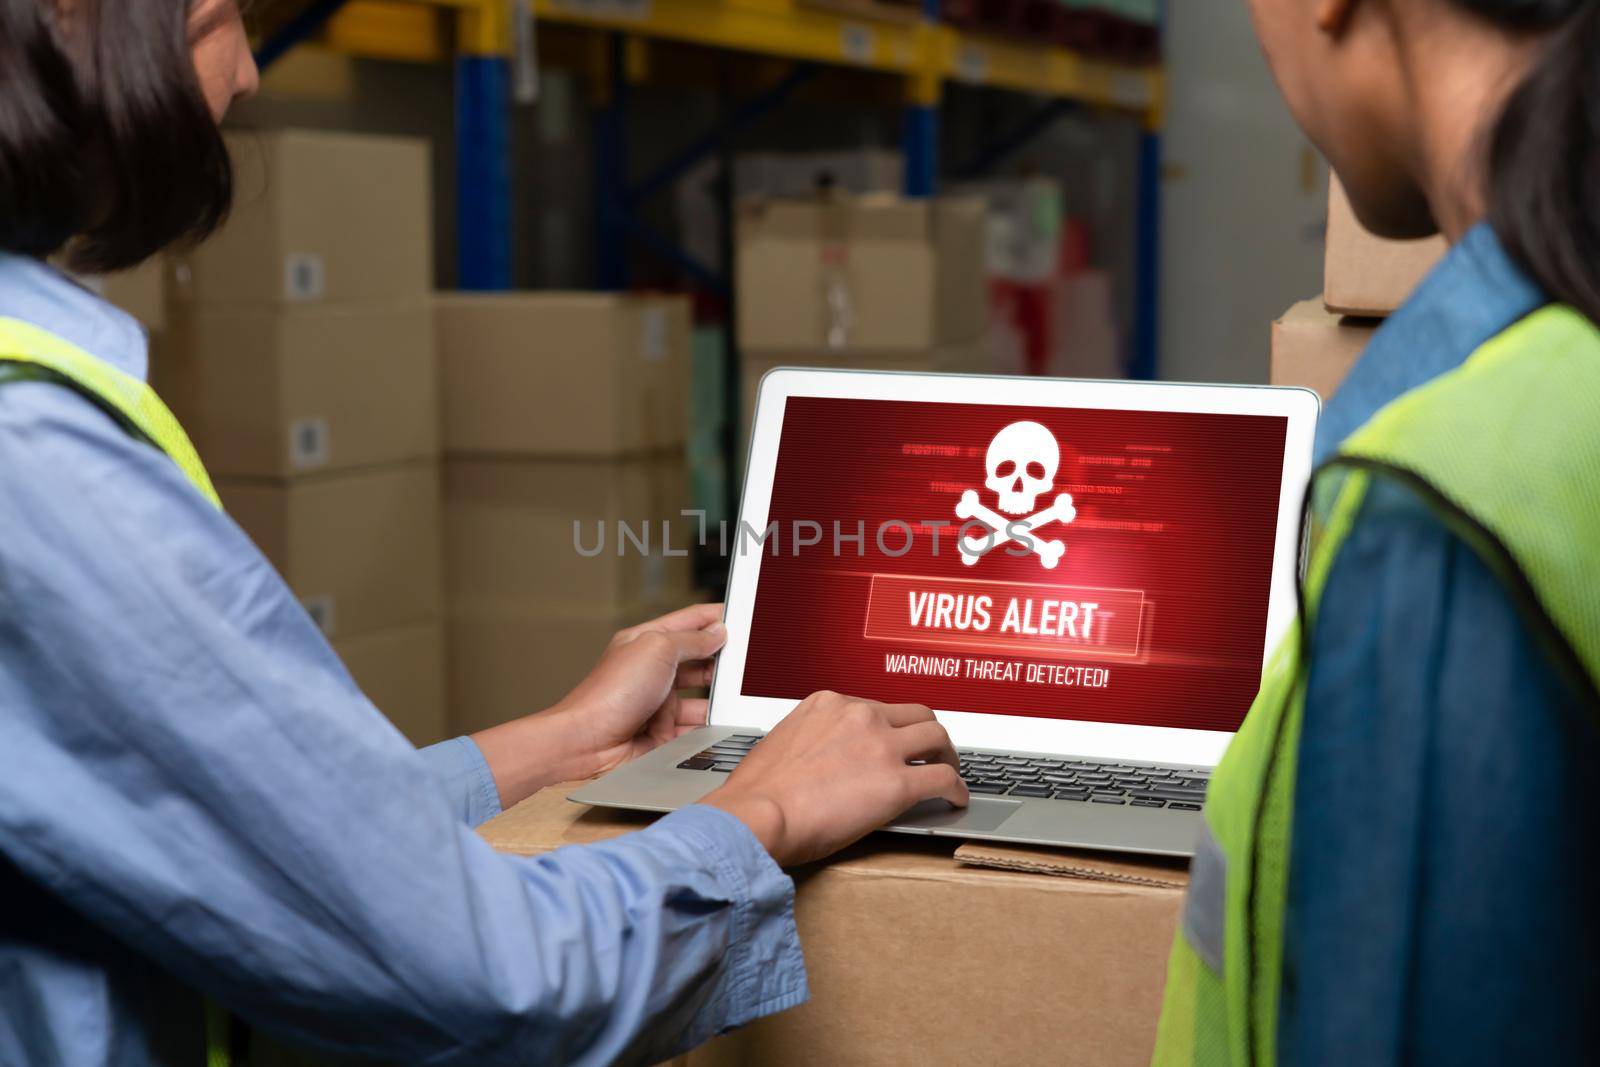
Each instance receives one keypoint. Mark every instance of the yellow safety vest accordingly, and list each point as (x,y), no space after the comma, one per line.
(1506,452)
(29,353)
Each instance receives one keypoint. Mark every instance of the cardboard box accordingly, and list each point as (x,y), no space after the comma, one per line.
(864,274)
(709,416)
(401,670)
(698,199)
(318,216)
(922,952)
(1314,348)
(275,393)
(576,374)
(361,551)
(514,527)
(1366,275)
(511,659)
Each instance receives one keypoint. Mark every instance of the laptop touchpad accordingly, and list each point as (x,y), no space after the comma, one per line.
(980,814)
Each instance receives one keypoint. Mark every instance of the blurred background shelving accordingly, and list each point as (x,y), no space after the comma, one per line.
(669,93)
(569,236)
(1061,56)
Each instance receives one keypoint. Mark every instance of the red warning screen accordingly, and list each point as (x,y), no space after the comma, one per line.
(1107,566)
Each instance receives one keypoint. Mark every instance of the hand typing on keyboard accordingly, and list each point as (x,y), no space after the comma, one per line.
(835,769)
(999,774)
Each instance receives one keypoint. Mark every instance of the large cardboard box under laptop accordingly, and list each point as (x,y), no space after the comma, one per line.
(597,532)
(576,374)
(1314,348)
(861,274)
(1366,275)
(361,551)
(318,216)
(277,393)
(916,954)
(401,670)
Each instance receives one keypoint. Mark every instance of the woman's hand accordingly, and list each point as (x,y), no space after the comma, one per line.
(835,769)
(628,705)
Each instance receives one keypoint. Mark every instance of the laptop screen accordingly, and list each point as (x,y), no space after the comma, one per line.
(1108,566)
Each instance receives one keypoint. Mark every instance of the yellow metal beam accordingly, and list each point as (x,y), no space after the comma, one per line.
(483,28)
(383,29)
(1047,71)
(926,55)
(770,28)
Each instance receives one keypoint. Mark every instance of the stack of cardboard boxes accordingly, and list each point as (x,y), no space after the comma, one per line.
(698,194)
(1365,278)
(299,354)
(564,418)
(873,282)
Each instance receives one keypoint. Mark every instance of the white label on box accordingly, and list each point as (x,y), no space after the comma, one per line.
(855,42)
(320,608)
(303,276)
(654,336)
(972,64)
(310,443)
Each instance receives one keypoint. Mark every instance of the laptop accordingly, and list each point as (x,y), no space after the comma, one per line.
(1084,580)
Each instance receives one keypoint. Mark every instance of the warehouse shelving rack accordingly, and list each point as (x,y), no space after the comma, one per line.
(900,42)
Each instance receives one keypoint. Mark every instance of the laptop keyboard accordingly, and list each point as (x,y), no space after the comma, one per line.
(1140,785)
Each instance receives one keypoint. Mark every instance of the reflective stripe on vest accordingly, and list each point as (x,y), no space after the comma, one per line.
(135,401)
(1505,451)
(138,409)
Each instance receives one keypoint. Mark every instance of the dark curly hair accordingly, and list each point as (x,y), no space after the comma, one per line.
(1544,152)
(107,147)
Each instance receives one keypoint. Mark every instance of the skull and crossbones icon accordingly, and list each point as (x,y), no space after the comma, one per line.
(1021,464)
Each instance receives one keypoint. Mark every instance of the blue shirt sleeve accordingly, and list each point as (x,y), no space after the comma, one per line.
(185,764)
(1446,840)
(464,775)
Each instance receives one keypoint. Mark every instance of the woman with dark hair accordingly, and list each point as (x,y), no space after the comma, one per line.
(196,803)
(1402,841)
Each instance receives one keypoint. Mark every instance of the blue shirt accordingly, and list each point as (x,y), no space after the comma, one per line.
(194,796)
(1446,840)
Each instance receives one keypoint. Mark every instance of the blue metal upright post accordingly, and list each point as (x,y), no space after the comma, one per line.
(1147,290)
(1145,363)
(483,172)
(922,149)
(921,132)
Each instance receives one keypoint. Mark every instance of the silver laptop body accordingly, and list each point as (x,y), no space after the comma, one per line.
(1110,798)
